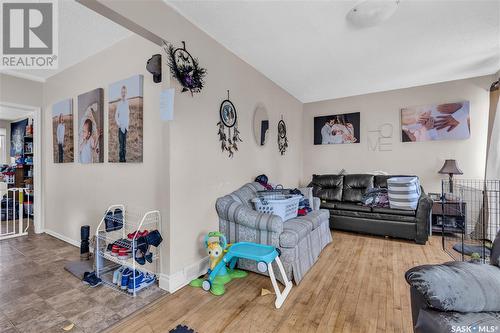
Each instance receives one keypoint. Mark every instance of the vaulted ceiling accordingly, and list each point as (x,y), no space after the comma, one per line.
(309,49)
(82,33)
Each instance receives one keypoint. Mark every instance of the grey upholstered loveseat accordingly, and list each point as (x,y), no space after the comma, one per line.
(456,296)
(300,239)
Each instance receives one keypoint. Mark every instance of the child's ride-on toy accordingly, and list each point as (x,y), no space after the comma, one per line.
(216,250)
(264,255)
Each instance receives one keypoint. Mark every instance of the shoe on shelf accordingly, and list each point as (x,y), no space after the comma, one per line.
(133,235)
(127,272)
(117,275)
(139,257)
(114,250)
(124,254)
(134,282)
(147,280)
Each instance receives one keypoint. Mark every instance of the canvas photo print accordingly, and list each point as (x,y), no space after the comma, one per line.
(125,118)
(17,134)
(90,127)
(62,131)
(449,121)
(337,129)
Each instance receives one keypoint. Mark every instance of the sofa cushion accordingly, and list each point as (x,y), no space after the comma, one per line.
(374,216)
(293,231)
(355,186)
(325,204)
(458,286)
(393,211)
(327,187)
(495,251)
(314,218)
(352,206)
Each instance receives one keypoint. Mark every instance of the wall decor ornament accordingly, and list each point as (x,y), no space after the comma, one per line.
(229,120)
(185,69)
(282,139)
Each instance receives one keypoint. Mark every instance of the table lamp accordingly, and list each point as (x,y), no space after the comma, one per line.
(450,167)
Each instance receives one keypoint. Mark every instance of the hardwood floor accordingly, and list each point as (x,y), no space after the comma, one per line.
(357,285)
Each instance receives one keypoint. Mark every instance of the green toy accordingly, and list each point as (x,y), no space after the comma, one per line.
(216,251)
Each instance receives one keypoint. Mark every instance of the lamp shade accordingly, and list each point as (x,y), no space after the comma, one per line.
(450,167)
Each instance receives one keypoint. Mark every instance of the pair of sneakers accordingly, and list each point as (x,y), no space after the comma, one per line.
(125,278)
(120,252)
(121,277)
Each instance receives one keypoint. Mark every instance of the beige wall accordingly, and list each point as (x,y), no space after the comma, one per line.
(77,194)
(424,158)
(184,170)
(20,91)
(199,171)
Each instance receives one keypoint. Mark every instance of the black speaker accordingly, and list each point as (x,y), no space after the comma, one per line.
(154,67)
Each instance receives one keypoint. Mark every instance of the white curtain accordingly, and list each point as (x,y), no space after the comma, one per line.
(493,157)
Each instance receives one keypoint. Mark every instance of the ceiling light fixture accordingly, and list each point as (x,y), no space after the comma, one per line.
(369,13)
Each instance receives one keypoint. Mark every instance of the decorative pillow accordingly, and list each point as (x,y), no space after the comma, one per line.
(495,251)
(458,286)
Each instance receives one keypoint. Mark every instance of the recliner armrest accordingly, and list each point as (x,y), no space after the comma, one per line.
(423,218)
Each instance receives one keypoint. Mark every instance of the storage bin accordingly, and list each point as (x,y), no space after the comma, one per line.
(285,206)
(404,192)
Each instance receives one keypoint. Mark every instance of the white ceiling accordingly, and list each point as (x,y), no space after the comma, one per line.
(13,113)
(309,49)
(82,33)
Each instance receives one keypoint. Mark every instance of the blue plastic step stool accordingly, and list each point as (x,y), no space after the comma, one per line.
(264,255)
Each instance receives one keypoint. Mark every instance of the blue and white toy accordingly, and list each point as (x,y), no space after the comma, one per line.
(264,255)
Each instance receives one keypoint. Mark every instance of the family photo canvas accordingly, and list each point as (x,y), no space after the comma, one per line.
(62,131)
(449,121)
(90,127)
(337,129)
(125,118)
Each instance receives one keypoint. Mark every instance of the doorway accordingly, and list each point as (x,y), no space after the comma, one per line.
(20,170)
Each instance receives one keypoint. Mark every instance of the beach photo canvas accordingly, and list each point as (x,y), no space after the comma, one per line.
(447,121)
(125,119)
(337,129)
(90,127)
(62,131)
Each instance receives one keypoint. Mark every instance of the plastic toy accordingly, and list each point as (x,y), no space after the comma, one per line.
(216,251)
(264,255)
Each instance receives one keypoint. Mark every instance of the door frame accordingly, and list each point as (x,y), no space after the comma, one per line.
(38,222)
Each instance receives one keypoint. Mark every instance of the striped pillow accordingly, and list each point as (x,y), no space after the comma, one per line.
(404,192)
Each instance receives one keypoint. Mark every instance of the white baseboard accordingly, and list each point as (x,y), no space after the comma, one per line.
(177,280)
(62,237)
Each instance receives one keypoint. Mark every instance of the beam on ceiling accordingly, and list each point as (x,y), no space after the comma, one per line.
(105,11)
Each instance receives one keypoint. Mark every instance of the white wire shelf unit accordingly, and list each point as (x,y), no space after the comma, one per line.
(124,229)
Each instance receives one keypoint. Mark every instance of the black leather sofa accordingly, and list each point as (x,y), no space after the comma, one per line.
(342,194)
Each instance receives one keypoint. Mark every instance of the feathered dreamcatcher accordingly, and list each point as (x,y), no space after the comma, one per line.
(185,69)
(282,139)
(228,119)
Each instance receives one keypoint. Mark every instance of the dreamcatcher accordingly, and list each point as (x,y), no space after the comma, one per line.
(282,139)
(228,119)
(185,68)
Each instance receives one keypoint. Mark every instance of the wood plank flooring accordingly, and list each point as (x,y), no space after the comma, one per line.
(357,285)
